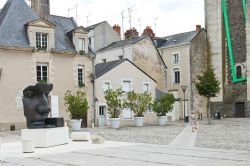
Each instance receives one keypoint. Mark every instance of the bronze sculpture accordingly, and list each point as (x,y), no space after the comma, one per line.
(37,107)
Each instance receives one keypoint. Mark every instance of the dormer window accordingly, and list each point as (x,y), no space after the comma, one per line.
(80,39)
(42,41)
(41,34)
(81,42)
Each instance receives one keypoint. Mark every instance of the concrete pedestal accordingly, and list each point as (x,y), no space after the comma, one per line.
(28,146)
(80,136)
(47,137)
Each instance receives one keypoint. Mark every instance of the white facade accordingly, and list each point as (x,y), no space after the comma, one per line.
(128,77)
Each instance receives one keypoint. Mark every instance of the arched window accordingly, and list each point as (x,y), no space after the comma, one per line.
(238,72)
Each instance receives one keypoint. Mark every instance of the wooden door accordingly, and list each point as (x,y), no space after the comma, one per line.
(240,110)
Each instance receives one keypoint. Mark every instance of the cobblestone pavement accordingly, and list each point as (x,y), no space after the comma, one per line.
(229,134)
(225,134)
(147,134)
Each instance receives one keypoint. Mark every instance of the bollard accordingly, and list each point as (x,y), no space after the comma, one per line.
(28,146)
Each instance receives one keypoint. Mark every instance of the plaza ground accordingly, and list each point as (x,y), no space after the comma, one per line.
(226,142)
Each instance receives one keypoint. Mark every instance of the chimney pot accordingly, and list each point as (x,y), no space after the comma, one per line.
(41,8)
(148,30)
(198,28)
(117,28)
(131,33)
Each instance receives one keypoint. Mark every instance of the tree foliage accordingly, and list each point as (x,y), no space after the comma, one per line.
(76,104)
(207,84)
(114,102)
(164,104)
(138,103)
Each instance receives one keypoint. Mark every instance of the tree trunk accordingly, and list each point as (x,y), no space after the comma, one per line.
(208,111)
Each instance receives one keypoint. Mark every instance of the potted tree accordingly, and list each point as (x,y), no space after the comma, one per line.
(114,103)
(138,103)
(162,106)
(77,105)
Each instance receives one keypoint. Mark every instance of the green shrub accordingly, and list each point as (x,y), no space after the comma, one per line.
(76,104)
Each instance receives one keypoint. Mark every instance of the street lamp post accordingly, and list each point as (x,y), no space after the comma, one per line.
(184,87)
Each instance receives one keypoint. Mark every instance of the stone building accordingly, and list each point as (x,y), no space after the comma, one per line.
(126,75)
(102,34)
(226,32)
(36,46)
(185,55)
(142,52)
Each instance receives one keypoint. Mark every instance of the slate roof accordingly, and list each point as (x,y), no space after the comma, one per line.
(102,68)
(177,39)
(62,39)
(16,13)
(89,28)
(122,43)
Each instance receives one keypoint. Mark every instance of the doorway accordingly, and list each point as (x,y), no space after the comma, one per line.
(102,115)
(240,110)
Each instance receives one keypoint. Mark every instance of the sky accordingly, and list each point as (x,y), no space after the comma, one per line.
(166,17)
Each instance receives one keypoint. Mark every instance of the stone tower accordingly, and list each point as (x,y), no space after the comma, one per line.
(225,23)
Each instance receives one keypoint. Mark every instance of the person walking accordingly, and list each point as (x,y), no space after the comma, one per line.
(193,121)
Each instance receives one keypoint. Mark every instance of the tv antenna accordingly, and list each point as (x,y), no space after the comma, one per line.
(155,19)
(123,17)
(130,15)
(88,19)
(75,7)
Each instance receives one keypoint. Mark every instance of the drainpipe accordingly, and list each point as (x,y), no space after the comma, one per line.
(93,81)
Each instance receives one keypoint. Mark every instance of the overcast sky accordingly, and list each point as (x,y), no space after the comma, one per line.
(171,16)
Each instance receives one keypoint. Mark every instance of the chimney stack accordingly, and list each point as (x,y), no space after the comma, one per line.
(41,8)
(131,33)
(198,28)
(117,28)
(148,30)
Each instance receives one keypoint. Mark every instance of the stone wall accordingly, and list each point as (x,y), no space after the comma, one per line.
(248,51)
(198,61)
(213,25)
(146,57)
(233,94)
(238,35)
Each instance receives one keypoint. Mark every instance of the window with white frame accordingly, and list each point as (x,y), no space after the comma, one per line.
(176,59)
(41,40)
(145,87)
(126,86)
(42,72)
(106,86)
(176,76)
(81,45)
(81,74)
